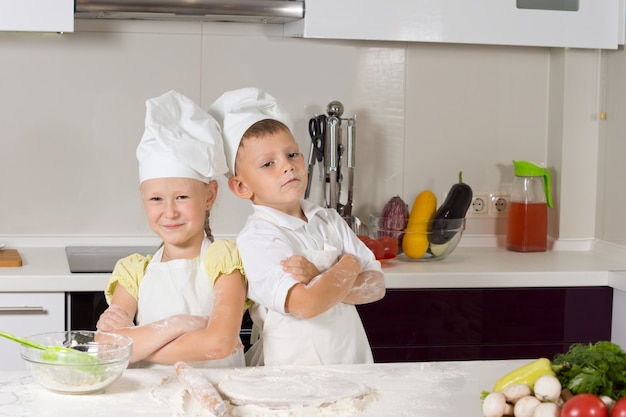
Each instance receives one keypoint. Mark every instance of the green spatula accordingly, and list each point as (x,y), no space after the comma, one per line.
(55,353)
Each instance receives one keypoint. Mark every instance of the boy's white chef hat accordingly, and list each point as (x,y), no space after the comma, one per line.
(237,110)
(181,140)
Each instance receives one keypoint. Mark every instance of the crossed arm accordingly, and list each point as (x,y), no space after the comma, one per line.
(319,291)
(182,337)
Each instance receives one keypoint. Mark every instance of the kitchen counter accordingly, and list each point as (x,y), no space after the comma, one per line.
(427,389)
(45,269)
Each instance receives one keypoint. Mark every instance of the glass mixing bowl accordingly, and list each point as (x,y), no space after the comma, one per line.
(99,359)
(426,241)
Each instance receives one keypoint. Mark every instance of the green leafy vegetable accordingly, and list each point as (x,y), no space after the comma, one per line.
(598,369)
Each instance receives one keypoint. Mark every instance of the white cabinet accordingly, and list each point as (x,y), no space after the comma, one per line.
(25,314)
(37,15)
(621,24)
(587,23)
(618,323)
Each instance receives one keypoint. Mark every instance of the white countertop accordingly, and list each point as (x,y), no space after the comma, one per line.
(490,267)
(427,389)
(45,269)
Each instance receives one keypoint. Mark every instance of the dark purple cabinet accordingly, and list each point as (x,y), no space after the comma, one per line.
(485,323)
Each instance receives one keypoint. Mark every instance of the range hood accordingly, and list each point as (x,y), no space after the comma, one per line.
(245,11)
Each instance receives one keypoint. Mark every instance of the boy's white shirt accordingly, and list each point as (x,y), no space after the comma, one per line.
(269,236)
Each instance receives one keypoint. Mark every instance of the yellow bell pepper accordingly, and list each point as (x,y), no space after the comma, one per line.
(527,374)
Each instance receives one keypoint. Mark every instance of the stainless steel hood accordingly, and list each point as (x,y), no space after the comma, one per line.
(246,11)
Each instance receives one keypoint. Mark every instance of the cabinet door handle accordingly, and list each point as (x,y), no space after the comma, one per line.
(25,309)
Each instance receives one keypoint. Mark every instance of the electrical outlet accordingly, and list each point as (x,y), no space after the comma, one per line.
(499,204)
(480,205)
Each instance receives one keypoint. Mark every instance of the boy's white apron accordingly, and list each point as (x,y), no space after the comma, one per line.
(336,336)
(181,286)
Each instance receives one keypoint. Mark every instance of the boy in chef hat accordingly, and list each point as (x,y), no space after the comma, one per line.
(305,267)
(188,298)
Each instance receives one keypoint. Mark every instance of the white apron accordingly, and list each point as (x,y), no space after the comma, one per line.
(180,286)
(336,336)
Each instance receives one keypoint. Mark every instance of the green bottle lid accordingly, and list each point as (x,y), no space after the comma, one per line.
(528,169)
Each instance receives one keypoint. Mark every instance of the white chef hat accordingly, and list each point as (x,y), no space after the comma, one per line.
(237,110)
(181,140)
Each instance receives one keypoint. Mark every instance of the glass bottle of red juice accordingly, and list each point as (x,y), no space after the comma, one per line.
(527,218)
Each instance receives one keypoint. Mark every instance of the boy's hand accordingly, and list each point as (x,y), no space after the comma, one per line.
(300,268)
(113,318)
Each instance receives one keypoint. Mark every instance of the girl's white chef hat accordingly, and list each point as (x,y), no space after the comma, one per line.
(181,140)
(237,110)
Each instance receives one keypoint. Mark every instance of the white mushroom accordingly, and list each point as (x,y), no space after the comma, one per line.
(610,402)
(514,392)
(547,410)
(525,406)
(547,388)
(495,405)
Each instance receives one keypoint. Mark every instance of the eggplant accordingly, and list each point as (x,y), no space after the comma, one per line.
(450,216)
(393,218)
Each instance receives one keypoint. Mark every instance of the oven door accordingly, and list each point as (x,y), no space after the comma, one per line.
(84,308)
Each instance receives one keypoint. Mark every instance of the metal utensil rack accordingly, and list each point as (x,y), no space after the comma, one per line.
(328,149)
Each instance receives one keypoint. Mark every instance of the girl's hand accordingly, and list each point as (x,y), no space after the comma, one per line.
(114,318)
(300,268)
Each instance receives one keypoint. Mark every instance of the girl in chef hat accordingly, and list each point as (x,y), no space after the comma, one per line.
(305,267)
(188,298)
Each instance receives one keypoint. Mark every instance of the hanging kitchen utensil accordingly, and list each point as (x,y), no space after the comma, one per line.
(317,131)
(336,148)
(347,208)
(333,178)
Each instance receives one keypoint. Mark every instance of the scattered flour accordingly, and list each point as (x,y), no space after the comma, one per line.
(273,393)
(347,407)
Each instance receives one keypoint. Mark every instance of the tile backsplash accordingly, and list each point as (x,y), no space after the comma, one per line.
(72,113)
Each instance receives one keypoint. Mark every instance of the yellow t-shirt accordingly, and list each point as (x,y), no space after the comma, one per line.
(222,257)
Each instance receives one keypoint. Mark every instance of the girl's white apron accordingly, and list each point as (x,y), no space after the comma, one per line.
(180,286)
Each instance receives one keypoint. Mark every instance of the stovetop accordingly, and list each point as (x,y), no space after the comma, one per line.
(101,259)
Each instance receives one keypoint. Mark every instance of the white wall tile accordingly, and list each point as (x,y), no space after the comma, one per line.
(473,109)
(305,75)
(73,109)
(71,116)
(612,197)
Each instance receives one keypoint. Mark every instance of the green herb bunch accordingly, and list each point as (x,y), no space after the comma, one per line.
(598,369)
